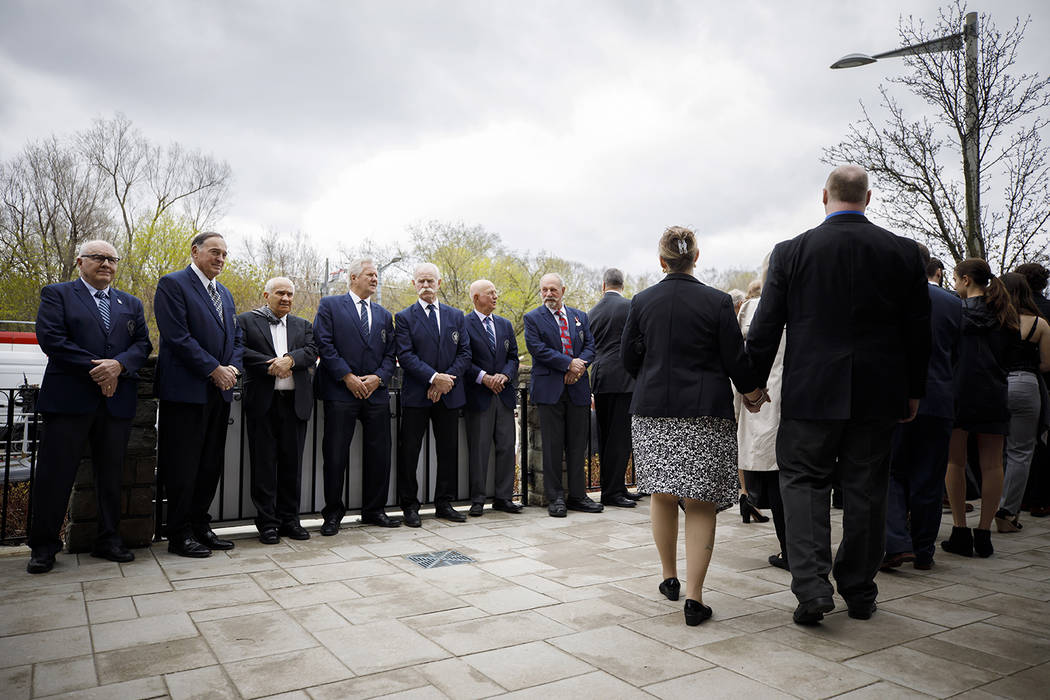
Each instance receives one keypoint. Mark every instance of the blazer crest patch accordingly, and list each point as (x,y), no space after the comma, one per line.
(579,334)
(506,344)
(455,336)
(382,335)
(131,327)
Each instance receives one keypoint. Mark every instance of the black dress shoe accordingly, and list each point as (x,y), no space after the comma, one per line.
(506,506)
(556,508)
(212,541)
(476,510)
(778,561)
(812,611)
(330,525)
(618,500)
(293,531)
(40,563)
(634,496)
(188,547)
(269,536)
(379,519)
(447,512)
(412,518)
(696,612)
(861,611)
(584,505)
(114,552)
(671,588)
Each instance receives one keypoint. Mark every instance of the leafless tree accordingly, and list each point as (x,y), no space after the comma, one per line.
(914,161)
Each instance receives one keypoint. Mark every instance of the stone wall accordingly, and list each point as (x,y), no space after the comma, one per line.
(139,481)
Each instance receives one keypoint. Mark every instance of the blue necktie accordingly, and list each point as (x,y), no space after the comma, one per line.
(432,315)
(491,333)
(103,307)
(216,300)
(364,317)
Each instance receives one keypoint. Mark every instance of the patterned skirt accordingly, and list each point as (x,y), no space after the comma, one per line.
(687,457)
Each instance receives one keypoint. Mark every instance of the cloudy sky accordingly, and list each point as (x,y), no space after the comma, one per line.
(583,128)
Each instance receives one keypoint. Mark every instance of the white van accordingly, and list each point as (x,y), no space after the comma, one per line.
(22,364)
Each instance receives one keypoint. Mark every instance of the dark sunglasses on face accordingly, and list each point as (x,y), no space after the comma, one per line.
(102,258)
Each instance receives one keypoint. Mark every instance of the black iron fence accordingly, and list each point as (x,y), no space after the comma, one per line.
(20,431)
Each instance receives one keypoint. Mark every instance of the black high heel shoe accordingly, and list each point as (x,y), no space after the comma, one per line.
(671,588)
(696,612)
(748,511)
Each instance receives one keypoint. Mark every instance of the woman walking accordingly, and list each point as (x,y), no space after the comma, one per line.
(682,344)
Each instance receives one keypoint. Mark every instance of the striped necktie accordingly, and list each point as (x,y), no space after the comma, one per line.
(566,341)
(491,333)
(364,318)
(103,307)
(216,300)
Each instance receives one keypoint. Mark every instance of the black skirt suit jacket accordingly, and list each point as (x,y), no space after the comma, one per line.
(682,345)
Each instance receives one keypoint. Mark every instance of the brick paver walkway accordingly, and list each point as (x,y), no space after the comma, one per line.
(552,608)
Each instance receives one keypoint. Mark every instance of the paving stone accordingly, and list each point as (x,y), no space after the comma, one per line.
(884,690)
(142,630)
(923,672)
(380,646)
(193,599)
(529,664)
(936,611)
(280,673)
(999,641)
(270,580)
(651,661)
(206,683)
(130,690)
(1031,683)
(443,617)
(884,629)
(237,638)
(494,632)
(714,684)
(146,660)
(597,684)
(63,676)
(459,680)
(589,614)
(315,618)
(312,594)
(120,587)
(971,657)
(17,682)
(36,647)
(234,611)
(370,686)
(111,610)
(386,607)
(42,612)
(503,600)
(341,572)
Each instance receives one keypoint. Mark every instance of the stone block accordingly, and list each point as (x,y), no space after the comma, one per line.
(137,532)
(83,505)
(139,501)
(80,536)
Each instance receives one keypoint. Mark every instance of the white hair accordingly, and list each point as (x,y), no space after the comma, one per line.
(426,267)
(89,244)
(561,282)
(358,266)
(271,283)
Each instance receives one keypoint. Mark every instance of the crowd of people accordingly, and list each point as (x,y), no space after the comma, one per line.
(854,370)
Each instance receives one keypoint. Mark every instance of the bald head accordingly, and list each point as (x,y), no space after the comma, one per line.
(847,188)
(483,294)
(278,294)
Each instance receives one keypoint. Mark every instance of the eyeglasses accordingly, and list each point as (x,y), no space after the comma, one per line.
(102,258)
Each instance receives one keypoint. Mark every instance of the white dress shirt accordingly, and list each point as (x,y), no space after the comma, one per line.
(98,302)
(279,333)
(357,307)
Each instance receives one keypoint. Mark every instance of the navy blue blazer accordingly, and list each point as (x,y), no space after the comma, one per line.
(343,349)
(421,354)
(193,341)
(70,331)
(549,363)
(482,359)
(946,325)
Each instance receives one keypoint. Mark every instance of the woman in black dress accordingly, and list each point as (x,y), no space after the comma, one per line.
(682,344)
(989,330)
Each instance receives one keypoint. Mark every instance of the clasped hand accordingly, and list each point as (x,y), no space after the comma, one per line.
(576,369)
(361,387)
(753,400)
(224,377)
(441,385)
(106,373)
(280,367)
(495,382)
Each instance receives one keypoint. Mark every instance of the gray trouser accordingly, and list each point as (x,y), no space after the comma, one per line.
(493,426)
(1020,443)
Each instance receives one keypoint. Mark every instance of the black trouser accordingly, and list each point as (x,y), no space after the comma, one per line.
(414,422)
(61,446)
(918,462)
(275,443)
(614,440)
(191,450)
(340,419)
(493,426)
(810,454)
(564,427)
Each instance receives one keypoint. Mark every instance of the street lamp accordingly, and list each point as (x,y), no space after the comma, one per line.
(968,38)
(379,277)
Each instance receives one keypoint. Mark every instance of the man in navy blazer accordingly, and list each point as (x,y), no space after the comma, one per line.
(434,352)
(491,396)
(197,365)
(355,341)
(920,448)
(95,338)
(559,339)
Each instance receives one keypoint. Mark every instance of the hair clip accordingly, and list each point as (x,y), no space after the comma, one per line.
(683,247)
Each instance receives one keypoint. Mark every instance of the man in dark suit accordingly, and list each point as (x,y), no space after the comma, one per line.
(197,367)
(854,299)
(491,396)
(279,357)
(434,352)
(559,339)
(612,387)
(919,457)
(355,341)
(95,338)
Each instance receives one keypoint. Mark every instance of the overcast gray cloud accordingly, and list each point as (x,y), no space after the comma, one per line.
(582,128)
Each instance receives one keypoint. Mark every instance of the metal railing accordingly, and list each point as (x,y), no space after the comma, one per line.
(20,432)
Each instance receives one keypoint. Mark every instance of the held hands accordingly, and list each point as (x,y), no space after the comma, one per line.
(495,382)
(106,374)
(280,367)
(224,377)
(753,400)
(913,410)
(441,385)
(356,386)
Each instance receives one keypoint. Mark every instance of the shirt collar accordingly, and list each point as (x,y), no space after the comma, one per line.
(614,291)
(558,312)
(200,275)
(92,290)
(481,316)
(357,300)
(424,305)
(844,211)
